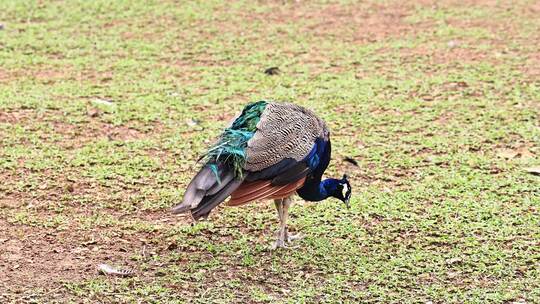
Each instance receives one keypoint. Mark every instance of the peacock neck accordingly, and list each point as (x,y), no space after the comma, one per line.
(315,190)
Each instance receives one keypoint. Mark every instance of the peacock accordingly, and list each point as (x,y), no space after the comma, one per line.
(271,150)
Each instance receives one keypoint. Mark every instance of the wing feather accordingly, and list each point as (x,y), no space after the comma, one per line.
(284,131)
(268,191)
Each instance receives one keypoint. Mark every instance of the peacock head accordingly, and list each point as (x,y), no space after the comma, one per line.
(342,190)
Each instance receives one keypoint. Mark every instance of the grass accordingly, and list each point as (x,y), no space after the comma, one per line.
(106,106)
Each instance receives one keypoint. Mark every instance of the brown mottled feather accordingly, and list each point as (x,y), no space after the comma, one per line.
(248,192)
(284,195)
(289,189)
(259,194)
(247,188)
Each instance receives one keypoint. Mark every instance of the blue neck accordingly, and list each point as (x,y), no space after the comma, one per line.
(316,190)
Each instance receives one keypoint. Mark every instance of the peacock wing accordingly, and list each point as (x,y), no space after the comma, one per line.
(279,155)
(284,131)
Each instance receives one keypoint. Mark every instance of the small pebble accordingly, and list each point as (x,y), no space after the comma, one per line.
(192,122)
(93,112)
(452,44)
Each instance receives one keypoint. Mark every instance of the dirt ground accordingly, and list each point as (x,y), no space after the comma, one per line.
(56,226)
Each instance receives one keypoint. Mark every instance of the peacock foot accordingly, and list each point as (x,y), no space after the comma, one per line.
(278,244)
(293,237)
(284,239)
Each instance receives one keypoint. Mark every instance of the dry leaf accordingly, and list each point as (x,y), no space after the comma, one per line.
(521,152)
(453,261)
(351,160)
(525,153)
(102,101)
(93,112)
(109,270)
(507,153)
(272,71)
(533,170)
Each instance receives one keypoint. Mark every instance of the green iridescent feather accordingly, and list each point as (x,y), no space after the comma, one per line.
(231,146)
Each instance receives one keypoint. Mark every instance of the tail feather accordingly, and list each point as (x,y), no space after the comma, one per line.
(204,179)
(221,183)
(191,200)
(196,190)
(210,202)
(207,188)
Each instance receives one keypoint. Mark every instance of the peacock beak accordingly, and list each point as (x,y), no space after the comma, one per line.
(346,201)
(348,191)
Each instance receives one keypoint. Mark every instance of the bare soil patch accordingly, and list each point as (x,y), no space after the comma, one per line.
(45,75)
(11,117)
(75,135)
(33,257)
(365,22)
(46,258)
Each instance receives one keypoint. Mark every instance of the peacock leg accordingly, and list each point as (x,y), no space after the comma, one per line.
(282,206)
(280,242)
(289,237)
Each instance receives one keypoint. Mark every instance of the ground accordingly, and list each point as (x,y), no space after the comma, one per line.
(105,107)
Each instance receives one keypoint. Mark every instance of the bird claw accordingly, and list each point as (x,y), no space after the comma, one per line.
(288,238)
(293,237)
(278,244)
